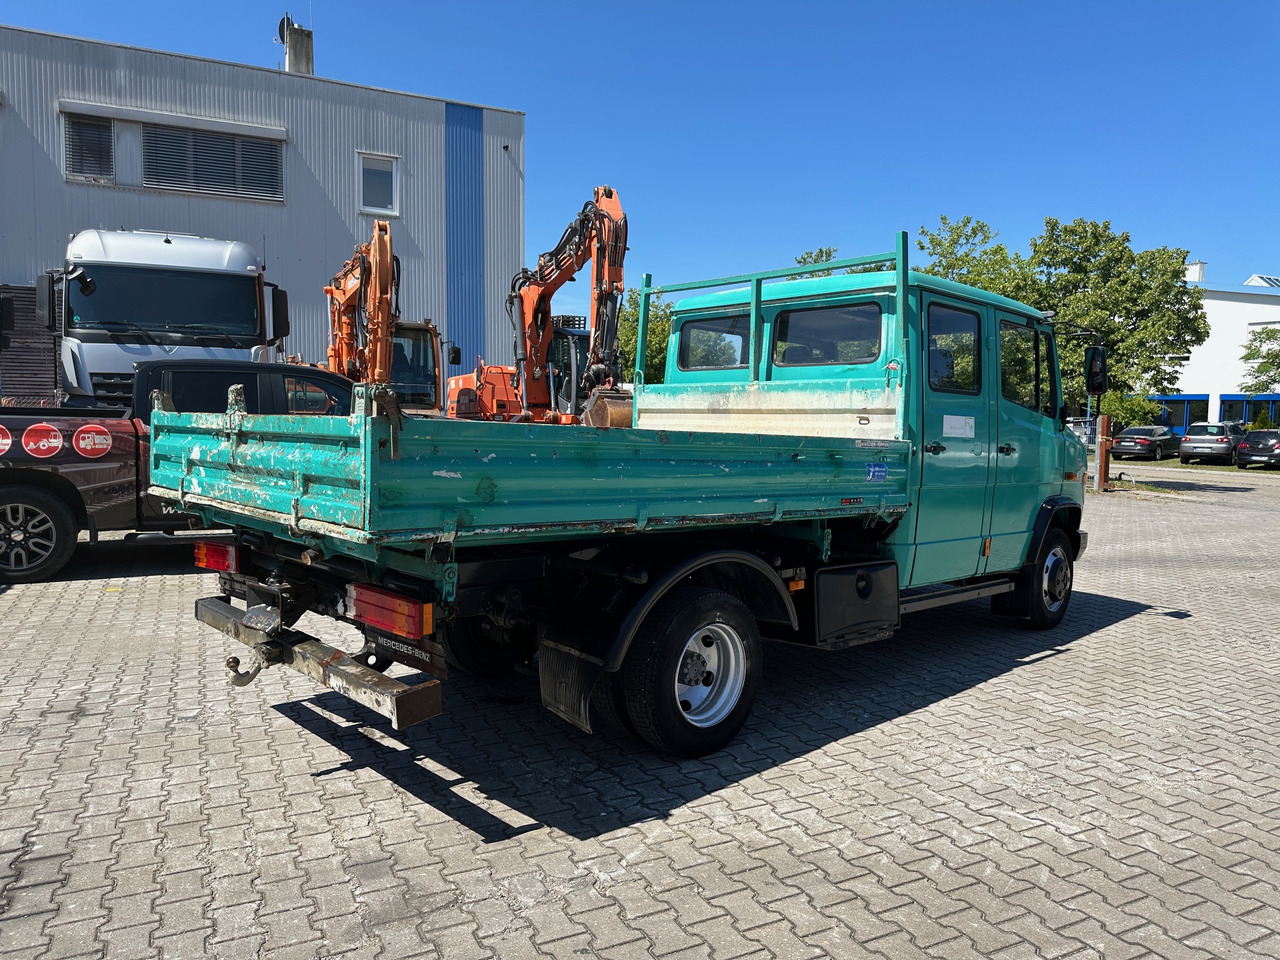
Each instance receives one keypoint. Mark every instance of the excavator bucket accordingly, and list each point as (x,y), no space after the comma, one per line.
(608,408)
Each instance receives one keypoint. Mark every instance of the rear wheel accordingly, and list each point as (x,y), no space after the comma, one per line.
(1159,453)
(1241,465)
(692,672)
(37,534)
(1184,459)
(1049,591)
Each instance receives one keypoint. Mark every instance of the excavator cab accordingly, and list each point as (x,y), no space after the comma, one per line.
(415,367)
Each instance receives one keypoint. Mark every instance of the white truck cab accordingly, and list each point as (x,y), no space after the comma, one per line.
(133,295)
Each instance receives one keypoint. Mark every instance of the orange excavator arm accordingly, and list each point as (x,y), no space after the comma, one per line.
(599,235)
(364,307)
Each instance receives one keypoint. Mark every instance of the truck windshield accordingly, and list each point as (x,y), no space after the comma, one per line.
(413,368)
(174,305)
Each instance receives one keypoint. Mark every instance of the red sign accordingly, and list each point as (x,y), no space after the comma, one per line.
(6,440)
(92,440)
(42,440)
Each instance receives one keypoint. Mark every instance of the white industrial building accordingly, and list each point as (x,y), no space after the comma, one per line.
(102,135)
(1209,387)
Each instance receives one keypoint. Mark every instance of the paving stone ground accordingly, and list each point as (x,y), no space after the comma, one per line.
(967,789)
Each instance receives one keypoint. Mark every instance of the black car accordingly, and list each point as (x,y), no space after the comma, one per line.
(1259,448)
(1153,442)
(1211,441)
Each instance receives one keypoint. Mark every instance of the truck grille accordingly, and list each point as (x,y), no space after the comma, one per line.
(112,389)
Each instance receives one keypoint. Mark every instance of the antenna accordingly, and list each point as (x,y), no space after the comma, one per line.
(285,23)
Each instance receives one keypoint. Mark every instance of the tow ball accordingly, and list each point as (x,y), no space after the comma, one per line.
(241,678)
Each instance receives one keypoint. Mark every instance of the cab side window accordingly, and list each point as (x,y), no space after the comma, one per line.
(954,363)
(823,335)
(719,344)
(304,395)
(1026,367)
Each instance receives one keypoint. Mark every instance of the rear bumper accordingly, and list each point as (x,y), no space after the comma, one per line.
(402,704)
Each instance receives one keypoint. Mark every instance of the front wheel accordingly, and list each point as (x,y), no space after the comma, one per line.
(1050,587)
(37,534)
(692,672)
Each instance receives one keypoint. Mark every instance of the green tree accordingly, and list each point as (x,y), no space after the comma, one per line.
(1262,349)
(655,355)
(1128,410)
(1137,302)
(811,258)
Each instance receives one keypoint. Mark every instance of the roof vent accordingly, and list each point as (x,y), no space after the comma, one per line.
(1262,280)
(298,51)
(1195,271)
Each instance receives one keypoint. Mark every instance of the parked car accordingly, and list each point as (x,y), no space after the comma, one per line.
(1259,447)
(1211,441)
(1153,442)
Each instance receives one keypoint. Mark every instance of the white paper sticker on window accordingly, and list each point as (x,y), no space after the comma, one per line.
(957,426)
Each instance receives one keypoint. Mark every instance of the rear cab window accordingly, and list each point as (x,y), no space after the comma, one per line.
(720,343)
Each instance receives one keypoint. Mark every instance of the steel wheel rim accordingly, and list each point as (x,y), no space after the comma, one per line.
(1055,579)
(27,537)
(710,674)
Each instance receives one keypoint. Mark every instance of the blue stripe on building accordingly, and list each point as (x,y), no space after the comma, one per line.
(464,228)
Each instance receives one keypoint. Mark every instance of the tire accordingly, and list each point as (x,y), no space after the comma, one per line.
(709,639)
(609,703)
(474,645)
(1184,460)
(1159,453)
(1241,465)
(1049,592)
(37,534)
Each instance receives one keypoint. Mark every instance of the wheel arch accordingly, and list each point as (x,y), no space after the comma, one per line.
(53,483)
(1062,513)
(742,574)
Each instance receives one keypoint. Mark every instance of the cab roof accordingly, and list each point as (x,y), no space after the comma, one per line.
(155,248)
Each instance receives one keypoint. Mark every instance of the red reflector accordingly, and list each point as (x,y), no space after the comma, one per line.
(403,616)
(217,556)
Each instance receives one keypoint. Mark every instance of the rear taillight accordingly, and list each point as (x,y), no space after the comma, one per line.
(217,556)
(403,616)
(1142,440)
(1223,439)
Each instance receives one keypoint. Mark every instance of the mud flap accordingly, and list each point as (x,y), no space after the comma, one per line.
(567,678)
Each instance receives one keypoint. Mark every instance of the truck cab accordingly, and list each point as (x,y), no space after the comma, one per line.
(970,378)
(127,296)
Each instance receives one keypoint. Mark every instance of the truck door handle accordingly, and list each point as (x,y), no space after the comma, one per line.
(934,448)
(1008,448)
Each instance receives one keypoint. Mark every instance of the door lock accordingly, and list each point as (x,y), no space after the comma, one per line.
(1008,448)
(934,448)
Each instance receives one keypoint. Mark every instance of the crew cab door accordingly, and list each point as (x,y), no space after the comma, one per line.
(1028,466)
(955,441)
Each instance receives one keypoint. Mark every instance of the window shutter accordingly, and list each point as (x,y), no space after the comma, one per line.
(89,147)
(220,164)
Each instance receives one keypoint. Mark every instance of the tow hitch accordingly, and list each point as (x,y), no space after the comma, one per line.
(401,703)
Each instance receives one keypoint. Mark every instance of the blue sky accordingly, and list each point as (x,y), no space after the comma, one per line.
(741,134)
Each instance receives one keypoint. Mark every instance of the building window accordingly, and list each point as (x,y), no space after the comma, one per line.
(219,164)
(90,148)
(378,184)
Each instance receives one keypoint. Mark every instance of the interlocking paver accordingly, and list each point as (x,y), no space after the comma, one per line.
(967,789)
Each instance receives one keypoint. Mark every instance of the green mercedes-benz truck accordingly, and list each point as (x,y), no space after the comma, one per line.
(823,456)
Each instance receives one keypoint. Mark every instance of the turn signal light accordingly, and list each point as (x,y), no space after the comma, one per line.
(403,616)
(217,556)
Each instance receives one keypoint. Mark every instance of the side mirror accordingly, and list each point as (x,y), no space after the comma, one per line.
(6,319)
(455,356)
(279,315)
(46,306)
(1095,371)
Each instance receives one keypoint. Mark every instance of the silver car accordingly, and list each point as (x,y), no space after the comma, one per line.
(1211,441)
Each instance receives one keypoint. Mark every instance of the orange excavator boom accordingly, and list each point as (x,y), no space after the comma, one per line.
(364,307)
